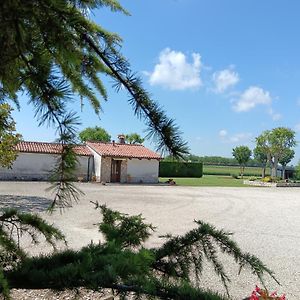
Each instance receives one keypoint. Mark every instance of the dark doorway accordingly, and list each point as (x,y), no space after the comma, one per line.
(115,170)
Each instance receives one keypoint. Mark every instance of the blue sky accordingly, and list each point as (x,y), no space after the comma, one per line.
(225,70)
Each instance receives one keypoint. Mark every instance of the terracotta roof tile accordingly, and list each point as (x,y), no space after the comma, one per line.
(123,150)
(49,148)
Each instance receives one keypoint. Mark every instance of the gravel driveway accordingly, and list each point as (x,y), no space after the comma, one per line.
(265,221)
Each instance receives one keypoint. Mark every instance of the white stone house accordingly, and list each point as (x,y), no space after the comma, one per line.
(104,162)
(120,162)
(36,160)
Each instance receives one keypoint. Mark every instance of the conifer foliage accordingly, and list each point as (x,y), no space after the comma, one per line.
(50,48)
(122,263)
(52,51)
(13,226)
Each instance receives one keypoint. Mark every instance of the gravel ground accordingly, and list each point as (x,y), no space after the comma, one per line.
(265,221)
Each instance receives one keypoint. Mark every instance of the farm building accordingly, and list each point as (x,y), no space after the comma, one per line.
(120,162)
(104,162)
(36,160)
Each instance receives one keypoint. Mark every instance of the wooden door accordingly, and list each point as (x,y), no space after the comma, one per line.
(116,170)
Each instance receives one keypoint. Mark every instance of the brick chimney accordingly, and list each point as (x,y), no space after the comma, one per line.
(121,138)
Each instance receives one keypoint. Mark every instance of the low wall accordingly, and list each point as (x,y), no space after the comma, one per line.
(272,184)
(260,183)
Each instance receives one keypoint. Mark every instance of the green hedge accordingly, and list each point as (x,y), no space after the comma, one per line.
(180,169)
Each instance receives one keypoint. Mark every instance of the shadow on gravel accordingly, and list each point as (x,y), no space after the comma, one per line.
(25,203)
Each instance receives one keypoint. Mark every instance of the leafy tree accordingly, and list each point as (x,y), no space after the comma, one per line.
(242,155)
(297,171)
(123,264)
(285,159)
(8,136)
(94,134)
(261,156)
(134,138)
(274,143)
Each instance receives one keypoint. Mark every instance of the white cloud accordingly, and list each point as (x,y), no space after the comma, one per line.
(224,79)
(275,116)
(223,133)
(241,137)
(174,71)
(297,127)
(252,97)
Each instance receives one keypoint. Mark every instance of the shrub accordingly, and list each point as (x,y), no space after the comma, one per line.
(252,178)
(271,179)
(267,179)
(235,176)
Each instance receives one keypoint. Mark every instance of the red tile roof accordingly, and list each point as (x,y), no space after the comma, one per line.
(49,148)
(123,150)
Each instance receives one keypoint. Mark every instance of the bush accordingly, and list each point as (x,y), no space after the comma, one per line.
(235,176)
(180,169)
(267,179)
(271,179)
(252,178)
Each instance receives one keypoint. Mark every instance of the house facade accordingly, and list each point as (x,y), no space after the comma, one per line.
(36,160)
(101,162)
(125,163)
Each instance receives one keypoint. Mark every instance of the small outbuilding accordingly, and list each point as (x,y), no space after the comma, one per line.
(120,162)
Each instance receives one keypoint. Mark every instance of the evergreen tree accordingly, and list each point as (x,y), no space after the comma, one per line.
(123,264)
(51,50)
(14,225)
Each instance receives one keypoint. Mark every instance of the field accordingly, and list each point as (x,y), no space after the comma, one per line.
(208,180)
(228,170)
(214,175)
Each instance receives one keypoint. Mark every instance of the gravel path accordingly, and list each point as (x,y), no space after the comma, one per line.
(265,221)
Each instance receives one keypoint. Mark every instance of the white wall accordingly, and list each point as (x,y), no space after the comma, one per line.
(97,164)
(143,170)
(37,166)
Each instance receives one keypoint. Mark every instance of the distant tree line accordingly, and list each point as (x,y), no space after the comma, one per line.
(217,160)
(273,147)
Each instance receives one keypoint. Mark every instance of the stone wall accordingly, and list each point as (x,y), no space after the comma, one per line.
(123,171)
(105,169)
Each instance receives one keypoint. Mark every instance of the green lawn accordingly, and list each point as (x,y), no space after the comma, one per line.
(207,180)
(228,170)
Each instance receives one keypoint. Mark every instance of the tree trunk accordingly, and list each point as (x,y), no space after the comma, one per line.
(274,167)
(242,171)
(283,172)
(263,172)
